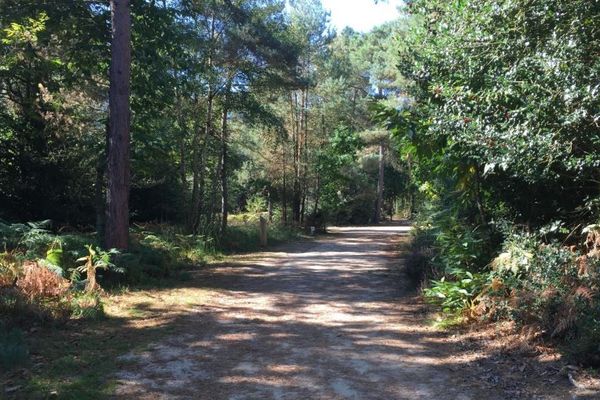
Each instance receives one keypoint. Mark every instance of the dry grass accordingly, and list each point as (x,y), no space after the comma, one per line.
(75,361)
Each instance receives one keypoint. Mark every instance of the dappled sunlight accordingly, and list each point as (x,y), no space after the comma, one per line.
(326,323)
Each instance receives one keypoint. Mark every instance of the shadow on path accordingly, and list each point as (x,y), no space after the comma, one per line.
(330,319)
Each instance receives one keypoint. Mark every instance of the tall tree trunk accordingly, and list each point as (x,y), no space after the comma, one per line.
(304,151)
(199,164)
(182,149)
(100,199)
(224,149)
(117,195)
(379,203)
(284,188)
(296,161)
(199,172)
(182,172)
(196,156)
(269,206)
(317,195)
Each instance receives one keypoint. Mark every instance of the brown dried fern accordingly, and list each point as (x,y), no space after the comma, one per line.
(39,282)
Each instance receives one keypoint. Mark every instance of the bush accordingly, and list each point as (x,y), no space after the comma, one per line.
(534,280)
(552,287)
(419,265)
(242,238)
(358,210)
(256,205)
(457,294)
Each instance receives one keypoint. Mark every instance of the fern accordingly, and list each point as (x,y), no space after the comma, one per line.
(94,260)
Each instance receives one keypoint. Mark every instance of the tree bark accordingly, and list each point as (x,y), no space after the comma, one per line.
(224,149)
(199,173)
(304,154)
(284,186)
(296,142)
(269,206)
(195,166)
(118,173)
(317,195)
(380,180)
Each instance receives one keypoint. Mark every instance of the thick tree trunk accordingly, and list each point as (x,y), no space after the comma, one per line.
(100,193)
(117,195)
(380,180)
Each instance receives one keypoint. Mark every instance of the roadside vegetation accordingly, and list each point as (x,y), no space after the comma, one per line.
(503,135)
(59,328)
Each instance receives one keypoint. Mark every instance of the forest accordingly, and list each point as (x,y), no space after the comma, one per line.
(139,139)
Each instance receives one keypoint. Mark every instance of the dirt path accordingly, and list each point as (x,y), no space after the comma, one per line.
(327,319)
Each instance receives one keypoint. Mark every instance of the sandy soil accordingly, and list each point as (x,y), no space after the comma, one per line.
(326,319)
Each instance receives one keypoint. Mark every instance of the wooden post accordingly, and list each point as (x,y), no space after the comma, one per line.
(263,231)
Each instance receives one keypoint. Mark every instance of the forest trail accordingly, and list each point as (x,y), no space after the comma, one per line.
(324,319)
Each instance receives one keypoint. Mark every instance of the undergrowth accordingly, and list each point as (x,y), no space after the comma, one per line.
(533,279)
(48,278)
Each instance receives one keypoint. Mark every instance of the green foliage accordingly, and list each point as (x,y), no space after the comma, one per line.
(256,205)
(502,137)
(345,193)
(245,237)
(552,287)
(456,293)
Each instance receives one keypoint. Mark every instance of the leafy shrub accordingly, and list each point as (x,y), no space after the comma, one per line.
(443,243)
(158,251)
(16,309)
(95,259)
(458,293)
(256,205)
(552,287)
(356,210)
(246,237)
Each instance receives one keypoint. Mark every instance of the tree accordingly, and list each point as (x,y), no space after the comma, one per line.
(117,196)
